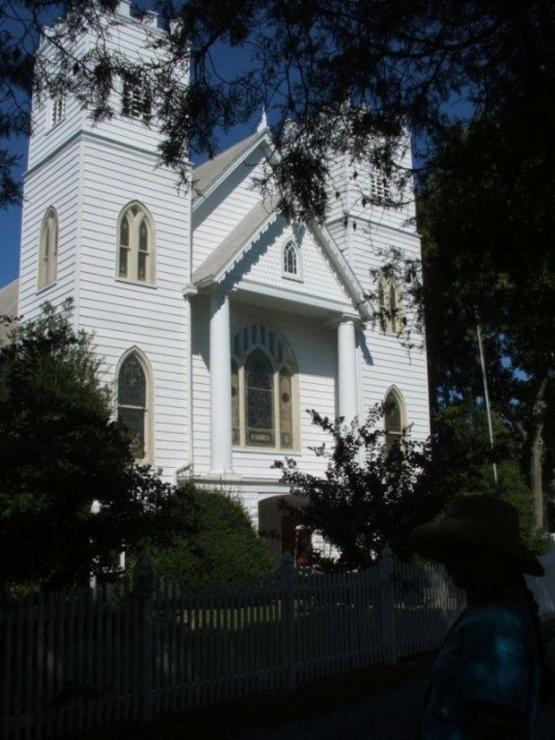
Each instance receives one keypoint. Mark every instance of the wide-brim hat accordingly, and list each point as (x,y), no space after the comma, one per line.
(482,522)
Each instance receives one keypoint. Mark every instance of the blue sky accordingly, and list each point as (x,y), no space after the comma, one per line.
(10,224)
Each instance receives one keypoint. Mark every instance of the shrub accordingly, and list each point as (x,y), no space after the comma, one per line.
(59,451)
(218,544)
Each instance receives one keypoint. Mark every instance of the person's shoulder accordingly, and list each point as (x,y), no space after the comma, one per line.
(498,612)
(504,627)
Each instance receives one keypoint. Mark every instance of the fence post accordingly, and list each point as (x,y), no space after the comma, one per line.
(143,582)
(389,629)
(287,576)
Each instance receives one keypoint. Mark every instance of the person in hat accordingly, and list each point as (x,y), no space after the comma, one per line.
(489,675)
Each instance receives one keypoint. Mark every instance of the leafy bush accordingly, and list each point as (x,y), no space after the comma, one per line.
(217,545)
(59,451)
(370,494)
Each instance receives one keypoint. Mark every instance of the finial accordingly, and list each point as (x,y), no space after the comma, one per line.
(263,125)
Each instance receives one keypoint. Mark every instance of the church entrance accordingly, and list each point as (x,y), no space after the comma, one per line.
(282,531)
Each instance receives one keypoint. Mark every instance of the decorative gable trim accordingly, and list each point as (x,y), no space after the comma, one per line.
(344,269)
(226,256)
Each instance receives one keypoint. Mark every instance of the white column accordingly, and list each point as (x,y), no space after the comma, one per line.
(346,370)
(220,385)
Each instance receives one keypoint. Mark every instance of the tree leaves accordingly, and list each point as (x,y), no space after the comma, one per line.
(369,495)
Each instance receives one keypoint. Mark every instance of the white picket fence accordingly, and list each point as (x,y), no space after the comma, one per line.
(70,664)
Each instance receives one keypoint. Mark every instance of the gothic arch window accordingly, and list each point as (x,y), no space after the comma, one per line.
(263,390)
(390,304)
(291,260)
(136,244)
(395,422)
(48,249)
(134,403)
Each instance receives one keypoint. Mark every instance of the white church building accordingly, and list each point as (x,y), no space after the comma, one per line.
(218,321)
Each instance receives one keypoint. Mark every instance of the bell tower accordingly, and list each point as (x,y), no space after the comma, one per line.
(122,239)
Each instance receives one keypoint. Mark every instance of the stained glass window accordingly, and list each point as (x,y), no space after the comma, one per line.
(393,424)
(285,409)
(135,245)
(262,389)
(132,402)
(143,236)
(124,232)
(48,249)
(259,384)
(235,419)
(123,262)
(141,272)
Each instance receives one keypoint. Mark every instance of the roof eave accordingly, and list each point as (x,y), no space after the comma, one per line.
(264,138)
(348,277)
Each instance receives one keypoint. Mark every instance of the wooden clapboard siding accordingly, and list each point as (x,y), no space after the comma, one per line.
(264,265)
(383,360)
(90,172)
(215,216)
(57,185)
(123,314)
(134,41)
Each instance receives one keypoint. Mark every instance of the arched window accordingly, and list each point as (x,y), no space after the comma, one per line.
(48,249)
(390,304)
(136,244)
(259,400)
(291,260)
(263,390)
(394,418)
(134,403)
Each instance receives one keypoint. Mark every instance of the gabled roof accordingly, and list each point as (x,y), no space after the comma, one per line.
(232,246)
(8,305)
(222,260)
(206,175)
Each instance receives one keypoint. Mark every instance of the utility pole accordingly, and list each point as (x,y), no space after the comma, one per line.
(486,394)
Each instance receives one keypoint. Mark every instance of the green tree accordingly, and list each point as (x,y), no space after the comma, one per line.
(213,542)
(59,452)
(464,462)
(349,75)
(488,223)
(370,495)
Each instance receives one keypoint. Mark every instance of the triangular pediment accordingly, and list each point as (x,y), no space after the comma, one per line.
(252,254)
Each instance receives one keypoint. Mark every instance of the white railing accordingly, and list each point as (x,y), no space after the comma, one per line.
(72,663)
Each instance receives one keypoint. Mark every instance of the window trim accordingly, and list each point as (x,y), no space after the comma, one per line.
(51,270)
(390,324)
(394,391)
(148,458)
(298,275)
(288,362)
(133,248)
